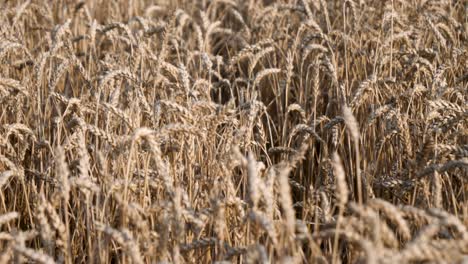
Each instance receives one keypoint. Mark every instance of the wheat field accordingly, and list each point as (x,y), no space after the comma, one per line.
(234,131)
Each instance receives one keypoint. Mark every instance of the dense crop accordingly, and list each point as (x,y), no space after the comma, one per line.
(248,131)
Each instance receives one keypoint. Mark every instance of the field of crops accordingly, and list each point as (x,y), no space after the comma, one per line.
(234,131)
